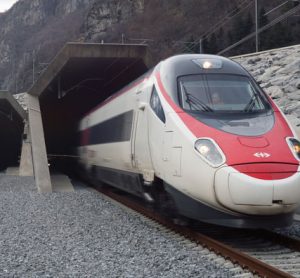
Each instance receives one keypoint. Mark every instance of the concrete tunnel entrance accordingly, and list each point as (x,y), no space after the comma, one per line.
(12,118)
(79,78)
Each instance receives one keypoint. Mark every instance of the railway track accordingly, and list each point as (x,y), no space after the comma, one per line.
(275,251)
(262,252)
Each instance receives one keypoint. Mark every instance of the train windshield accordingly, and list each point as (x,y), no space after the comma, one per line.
(221,94)
(230,103)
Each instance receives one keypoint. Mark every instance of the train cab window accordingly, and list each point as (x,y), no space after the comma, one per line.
(231,103)
(221,93)
(156,105)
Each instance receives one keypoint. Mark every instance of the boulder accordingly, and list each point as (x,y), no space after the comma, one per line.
(291,68)
(294,95)
(270,72)
(274,92)
(292,107)
(282,102)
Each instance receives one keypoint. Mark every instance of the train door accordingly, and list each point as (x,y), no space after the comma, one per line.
(157,134)
(141,158)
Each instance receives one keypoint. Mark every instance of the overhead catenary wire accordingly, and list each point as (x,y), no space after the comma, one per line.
(229,16)
(267,26)
(120,73)
(76,86)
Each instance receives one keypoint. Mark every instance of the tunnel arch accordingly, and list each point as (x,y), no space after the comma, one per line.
(81,76)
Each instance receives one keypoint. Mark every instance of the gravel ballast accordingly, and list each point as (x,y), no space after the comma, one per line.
(292,231)
(81,234)
(17,184)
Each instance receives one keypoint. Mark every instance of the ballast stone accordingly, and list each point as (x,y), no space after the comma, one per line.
(81,234)
(10,183)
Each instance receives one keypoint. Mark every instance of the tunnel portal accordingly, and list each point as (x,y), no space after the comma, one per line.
(78,79)
(12,118)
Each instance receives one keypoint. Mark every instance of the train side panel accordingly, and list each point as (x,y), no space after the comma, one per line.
(109,134)
(116,149)
(174,158)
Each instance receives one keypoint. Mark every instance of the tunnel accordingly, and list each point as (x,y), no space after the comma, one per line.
(78,79)
(12,118)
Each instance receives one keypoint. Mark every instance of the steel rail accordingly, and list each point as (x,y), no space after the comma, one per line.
(245,261)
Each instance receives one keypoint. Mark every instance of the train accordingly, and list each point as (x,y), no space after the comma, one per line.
(197,136)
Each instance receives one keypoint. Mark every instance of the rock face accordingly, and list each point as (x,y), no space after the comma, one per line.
(105,14)
(32,32)
(21,99)
(278,72)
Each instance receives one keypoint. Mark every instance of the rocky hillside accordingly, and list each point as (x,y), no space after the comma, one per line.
(33,31)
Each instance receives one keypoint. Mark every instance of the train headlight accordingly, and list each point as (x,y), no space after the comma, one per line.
(210,151)
(208,63)
(294,145)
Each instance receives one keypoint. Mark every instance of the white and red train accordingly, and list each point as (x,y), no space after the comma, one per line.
(199,131)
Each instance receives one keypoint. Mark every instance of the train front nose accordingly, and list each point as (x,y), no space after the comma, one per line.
(259,189)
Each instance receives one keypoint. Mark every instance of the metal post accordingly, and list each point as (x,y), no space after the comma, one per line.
(33,66)
(256,26)
(200,46)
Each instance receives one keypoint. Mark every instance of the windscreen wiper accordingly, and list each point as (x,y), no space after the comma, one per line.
(251,104)
(195,102)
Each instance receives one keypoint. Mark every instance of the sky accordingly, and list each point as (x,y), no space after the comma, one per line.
(6,4)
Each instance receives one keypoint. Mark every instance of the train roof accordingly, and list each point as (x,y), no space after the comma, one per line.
(186,64)
(194,64)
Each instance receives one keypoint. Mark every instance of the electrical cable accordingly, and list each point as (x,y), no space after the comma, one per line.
(229,16)
(267,26)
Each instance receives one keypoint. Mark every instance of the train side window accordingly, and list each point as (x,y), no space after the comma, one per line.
(156,105)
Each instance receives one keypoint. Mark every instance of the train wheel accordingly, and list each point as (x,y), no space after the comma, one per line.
(164,203)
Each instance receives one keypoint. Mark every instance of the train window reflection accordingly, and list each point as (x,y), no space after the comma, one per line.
(220,93)
(156,105)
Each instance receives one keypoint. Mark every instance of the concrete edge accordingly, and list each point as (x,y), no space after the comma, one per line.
(265,51)
(84,50)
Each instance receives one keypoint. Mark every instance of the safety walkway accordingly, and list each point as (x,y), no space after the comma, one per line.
(61,183)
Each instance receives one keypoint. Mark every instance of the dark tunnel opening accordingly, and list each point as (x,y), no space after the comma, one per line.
(80,86)
(11,135)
